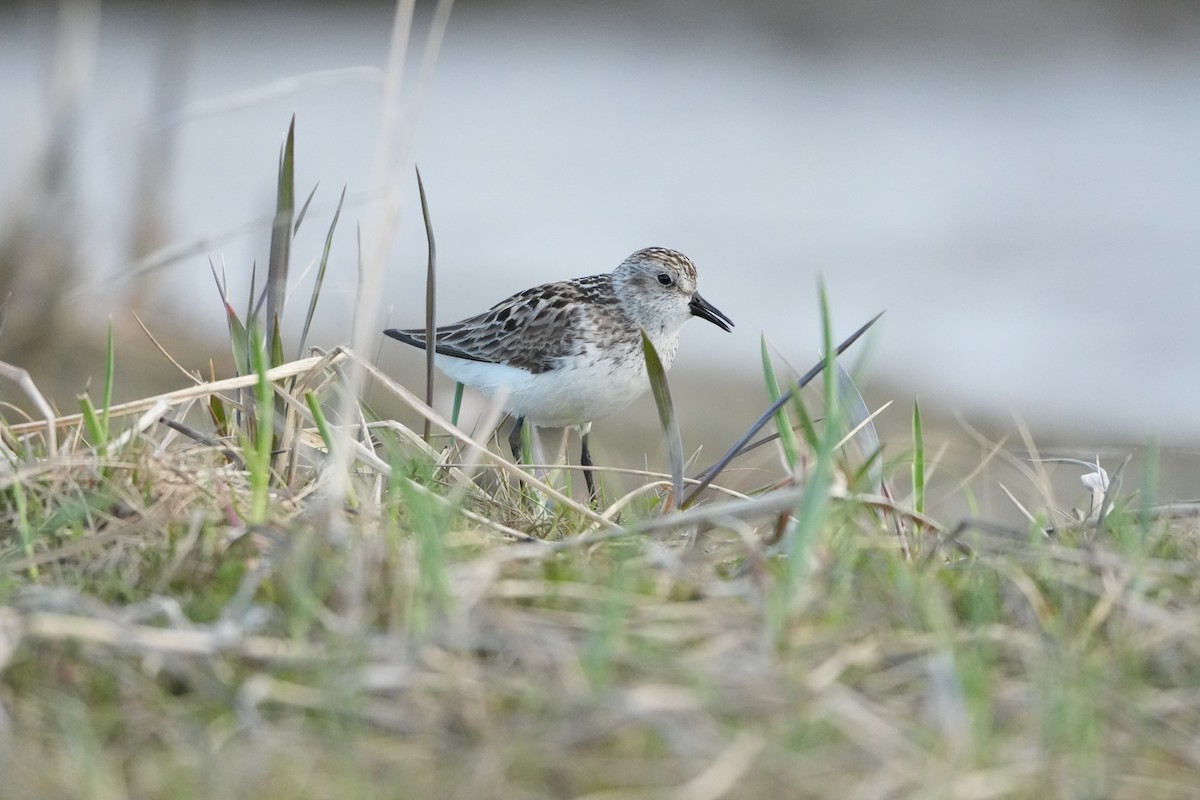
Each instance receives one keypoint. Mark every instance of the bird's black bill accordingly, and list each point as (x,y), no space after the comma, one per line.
(706,310)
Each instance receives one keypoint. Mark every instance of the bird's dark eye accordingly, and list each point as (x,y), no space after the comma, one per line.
(664,279)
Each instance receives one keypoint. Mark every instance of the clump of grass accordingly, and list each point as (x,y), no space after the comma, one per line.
(188,612)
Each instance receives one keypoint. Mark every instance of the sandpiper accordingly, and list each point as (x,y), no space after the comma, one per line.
(570,352)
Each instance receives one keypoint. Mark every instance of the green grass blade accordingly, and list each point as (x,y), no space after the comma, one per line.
(666,416)
(281,234)
(110,360)
(808,426)
(783,424)
(430,303)
(829,376)
(304,210)
(869,470)
(253,307)
(258,455)
(918,463)
(222,424)
(454,411)
(316,292)
(326,433)
(25,529)
(527,443)
(91,421)
(276,346)
(97,423)
(314,407)
(239,340)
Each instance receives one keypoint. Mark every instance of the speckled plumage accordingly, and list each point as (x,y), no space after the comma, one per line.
(570,352)
(535,330)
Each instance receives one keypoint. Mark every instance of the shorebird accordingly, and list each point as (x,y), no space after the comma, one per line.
(570,352)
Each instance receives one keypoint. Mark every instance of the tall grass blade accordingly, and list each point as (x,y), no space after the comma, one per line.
(829,366)
(97,423)
(304,210)
(253,307)
(223,424)
(808,424)
(526,443)
(457,407)
(783,424)
(281,235)
(316,292)
(239,340)
(110,363)
(91,421)
(666,416)
(261,439)
(314,407)
(25,530)
(918,463)
(430,303)
(276,346)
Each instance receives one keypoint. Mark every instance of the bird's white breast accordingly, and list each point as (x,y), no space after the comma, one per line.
(585,388)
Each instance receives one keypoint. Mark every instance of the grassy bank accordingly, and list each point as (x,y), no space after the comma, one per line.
(185,617)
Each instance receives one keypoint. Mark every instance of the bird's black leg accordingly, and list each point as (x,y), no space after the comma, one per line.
(514,439)
(585,460)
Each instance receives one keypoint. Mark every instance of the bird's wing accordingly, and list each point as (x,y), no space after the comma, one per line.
(531,330)
(416,337)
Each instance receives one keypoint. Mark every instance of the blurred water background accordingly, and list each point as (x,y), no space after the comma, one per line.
(1017,183)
